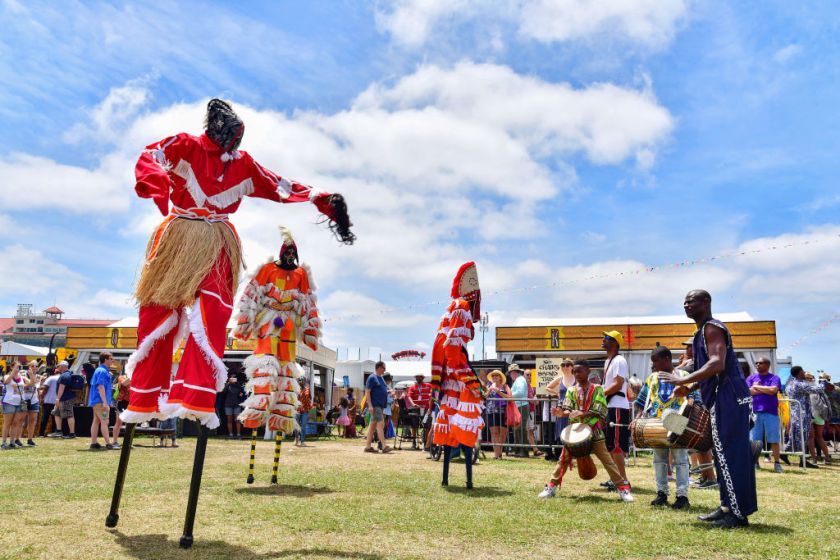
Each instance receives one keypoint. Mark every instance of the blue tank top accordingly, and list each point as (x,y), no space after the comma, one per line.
(731,373)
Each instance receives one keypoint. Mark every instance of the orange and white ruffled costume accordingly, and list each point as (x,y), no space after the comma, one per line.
(459,421)
(278,308)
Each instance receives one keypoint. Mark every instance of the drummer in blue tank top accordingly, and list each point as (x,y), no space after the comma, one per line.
(725,393)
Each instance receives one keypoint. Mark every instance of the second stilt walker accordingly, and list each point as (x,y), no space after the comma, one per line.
(459,421)
(278,309)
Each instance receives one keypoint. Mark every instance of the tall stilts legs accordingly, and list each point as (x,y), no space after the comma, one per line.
(278,441)
(125,453)
(447,452)
(468,457)
(195,486)
(250,479)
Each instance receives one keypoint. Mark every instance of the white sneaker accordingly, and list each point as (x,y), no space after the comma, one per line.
(549,492)
(626,496)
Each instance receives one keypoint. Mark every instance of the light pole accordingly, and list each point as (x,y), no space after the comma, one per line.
(482,326)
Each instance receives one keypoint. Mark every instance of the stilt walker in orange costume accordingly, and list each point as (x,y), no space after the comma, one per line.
(192,264)
(278,308)
(459,421)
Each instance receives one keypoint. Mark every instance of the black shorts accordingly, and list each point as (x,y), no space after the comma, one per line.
(618,437)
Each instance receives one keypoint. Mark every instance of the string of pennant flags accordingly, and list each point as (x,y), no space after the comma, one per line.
(813,332)
(619,274)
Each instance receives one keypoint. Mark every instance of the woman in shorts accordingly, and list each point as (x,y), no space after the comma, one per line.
(14,409)
(496,410)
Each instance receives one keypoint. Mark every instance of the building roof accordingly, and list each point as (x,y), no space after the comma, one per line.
(7,324)
(85,322)
(11,348)
(627,320)
(53,309)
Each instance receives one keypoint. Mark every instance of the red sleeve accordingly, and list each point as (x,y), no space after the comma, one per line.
(152,171)
(270,185)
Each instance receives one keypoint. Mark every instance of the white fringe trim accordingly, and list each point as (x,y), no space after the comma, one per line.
(208,419)
(470,407)
(262,362)
(200,337)
(146,345)
(454,342)
(473,425)
(453,385)
(461,331)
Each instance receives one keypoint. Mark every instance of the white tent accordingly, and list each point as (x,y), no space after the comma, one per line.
(11,348)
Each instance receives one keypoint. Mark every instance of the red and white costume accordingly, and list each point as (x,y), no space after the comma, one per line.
(459,421)
(192,178)
(278,308)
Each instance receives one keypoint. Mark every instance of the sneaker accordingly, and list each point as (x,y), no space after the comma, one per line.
(608,485)
(681,503)
(827,462)
(548,492)
(112,446)
(707,484)
(18,443)
(95,446)
(809,465)
(174,444)
(777,467)
(71,436)
(713,516)
(660,500)
(54,435)
(625,495)
(30,443)
(730,521)
(371,450)
(6,446)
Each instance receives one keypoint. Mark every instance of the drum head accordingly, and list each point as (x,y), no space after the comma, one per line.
(674,421)
(575,433)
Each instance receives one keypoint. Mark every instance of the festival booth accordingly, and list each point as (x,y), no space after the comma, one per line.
(541,344)
(120,339)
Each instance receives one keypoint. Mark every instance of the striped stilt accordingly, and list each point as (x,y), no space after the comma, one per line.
(278,441)
(250,479)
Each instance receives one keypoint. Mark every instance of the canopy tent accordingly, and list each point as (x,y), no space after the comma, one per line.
(11,348)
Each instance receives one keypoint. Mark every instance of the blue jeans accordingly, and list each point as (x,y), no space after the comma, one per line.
(301,418)
(660,469)
(767,426)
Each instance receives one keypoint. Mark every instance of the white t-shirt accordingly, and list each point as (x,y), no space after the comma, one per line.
(617,367)
(51,386)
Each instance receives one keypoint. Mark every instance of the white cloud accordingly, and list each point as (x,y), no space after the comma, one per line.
(360,310)
(787,53)
(31,273)
(649,23)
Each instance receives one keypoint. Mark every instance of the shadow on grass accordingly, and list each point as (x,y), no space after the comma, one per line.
(296,491)
(478,492)
(758,528)
(598,499)
(160,546)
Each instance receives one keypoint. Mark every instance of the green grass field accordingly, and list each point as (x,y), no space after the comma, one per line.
(336,502)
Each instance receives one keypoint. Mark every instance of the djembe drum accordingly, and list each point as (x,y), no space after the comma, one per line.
(649,433)
(690,427)
(577,440)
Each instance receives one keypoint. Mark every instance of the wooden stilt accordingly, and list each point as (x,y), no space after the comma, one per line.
(250,479)
(195,486)
(278,441)
(125,453)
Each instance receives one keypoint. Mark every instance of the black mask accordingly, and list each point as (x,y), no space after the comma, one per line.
(223,126)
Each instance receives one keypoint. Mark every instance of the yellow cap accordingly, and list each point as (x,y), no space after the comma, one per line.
(617,336)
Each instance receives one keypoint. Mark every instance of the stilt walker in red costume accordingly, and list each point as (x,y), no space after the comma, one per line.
(191,272)
(459,421)
(278,309)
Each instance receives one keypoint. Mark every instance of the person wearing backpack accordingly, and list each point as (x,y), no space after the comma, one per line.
(69,385)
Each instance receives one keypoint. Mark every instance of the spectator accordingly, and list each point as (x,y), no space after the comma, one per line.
(376,397)
(352,410)
(558,386)
(30,397)
(616,375)
(519,390)
(120,400)
(764,388)
(532,413)
(13,407)
(167,425)
(302,415)
(343,419)
(387,412)
(49,391)
(799,389)
(234,395)
(420,395)
(820,414)
(833,395)
(101,396)
(496,410)
(69,386)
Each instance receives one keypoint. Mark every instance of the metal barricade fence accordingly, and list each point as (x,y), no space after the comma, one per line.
(765,447)
(538,428)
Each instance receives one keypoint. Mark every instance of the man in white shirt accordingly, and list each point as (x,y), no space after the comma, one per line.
(519,390)
(616,376)
(49,388)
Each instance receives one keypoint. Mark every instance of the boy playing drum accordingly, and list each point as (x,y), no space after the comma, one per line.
(586,403)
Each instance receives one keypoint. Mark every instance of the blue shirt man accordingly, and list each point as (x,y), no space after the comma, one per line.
(101,377)
(376,396)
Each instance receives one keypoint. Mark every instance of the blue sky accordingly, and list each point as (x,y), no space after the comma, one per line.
(548,143)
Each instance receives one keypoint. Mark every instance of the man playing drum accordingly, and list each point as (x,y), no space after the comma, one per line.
(655,398)
(585,403)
